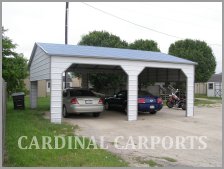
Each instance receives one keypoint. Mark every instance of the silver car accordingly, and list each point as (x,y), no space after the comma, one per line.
(81,101)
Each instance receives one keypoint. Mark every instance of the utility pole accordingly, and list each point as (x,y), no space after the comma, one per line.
(66,35)
(66,22)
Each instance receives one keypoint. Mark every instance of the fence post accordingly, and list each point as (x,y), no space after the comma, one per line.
(4,103)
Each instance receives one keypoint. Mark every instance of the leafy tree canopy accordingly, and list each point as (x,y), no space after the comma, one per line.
(148,45)
(14,66)
(197,51)
(103,39)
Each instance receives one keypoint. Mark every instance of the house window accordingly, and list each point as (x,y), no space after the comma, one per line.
(210,86)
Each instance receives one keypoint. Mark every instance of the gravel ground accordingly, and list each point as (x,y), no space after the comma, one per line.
(167,122)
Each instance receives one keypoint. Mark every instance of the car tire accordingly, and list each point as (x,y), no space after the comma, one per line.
(153,112)
(64,112)
(107,106)
(96,114)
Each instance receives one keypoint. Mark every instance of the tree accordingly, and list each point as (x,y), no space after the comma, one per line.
(102,81)
(14,66)
(148,45)
(103,39)
(197,51)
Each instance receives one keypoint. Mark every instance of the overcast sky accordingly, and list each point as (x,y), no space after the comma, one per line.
(31,22)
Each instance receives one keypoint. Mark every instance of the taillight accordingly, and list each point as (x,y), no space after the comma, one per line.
(100,101)
(141,100)
(74,101)
(159,101)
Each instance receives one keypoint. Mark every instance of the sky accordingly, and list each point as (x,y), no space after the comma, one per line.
(30,22)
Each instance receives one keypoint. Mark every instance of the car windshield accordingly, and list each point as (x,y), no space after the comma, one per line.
(144,93)
(81,93)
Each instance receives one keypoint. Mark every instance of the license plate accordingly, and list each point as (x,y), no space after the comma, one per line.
(152,107)
(88,101)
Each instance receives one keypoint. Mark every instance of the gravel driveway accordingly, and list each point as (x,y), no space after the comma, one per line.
(167,122)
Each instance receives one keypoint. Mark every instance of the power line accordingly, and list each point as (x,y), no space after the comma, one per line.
(131,21)
(141,26)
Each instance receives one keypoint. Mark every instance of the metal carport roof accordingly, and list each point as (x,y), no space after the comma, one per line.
(110,53)
(50,61)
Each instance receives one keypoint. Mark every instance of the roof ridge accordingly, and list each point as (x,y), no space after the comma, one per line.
(54,49)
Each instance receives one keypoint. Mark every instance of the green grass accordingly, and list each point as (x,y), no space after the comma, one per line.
(152,163)
(206,97)
(198,102)
(31,123)
(169,159)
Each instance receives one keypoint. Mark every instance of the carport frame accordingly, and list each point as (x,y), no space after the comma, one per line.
(60,63)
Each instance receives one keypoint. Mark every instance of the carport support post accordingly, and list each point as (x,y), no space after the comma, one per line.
(56,98)
(57,70)
(132,105)
(189,73)
(33,94)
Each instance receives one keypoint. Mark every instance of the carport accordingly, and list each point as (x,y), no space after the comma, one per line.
(50,61)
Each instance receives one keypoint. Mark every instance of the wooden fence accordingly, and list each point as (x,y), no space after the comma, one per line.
(200,88)
(4,103)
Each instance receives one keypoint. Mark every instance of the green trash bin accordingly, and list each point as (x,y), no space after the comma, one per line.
(18,100)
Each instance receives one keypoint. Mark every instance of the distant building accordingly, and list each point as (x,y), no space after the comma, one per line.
(214,86)
(44,86)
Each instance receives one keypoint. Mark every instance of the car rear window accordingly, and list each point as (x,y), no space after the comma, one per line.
(81,93)
(144,93)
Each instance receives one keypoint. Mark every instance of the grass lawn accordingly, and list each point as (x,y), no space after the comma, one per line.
(31,123)
(207,102)
(206,97)
(202,99)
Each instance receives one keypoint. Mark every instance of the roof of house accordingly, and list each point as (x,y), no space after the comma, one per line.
(216,78)
(108,53)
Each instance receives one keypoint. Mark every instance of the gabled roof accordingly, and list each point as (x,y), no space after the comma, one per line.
(108,53)
(216,78)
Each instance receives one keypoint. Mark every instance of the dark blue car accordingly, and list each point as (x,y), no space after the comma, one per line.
(146,102)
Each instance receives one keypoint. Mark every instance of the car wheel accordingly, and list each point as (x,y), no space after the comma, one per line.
(153,112)
(107,106)
(64,112)
(96,114)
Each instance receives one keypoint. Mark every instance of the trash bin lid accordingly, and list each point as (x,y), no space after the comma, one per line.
(18,94)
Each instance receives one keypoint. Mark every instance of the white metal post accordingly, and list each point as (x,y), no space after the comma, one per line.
(189,73)
(56,98)
(132,105)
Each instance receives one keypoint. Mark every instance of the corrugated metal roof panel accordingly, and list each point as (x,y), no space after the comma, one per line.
(110,53)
